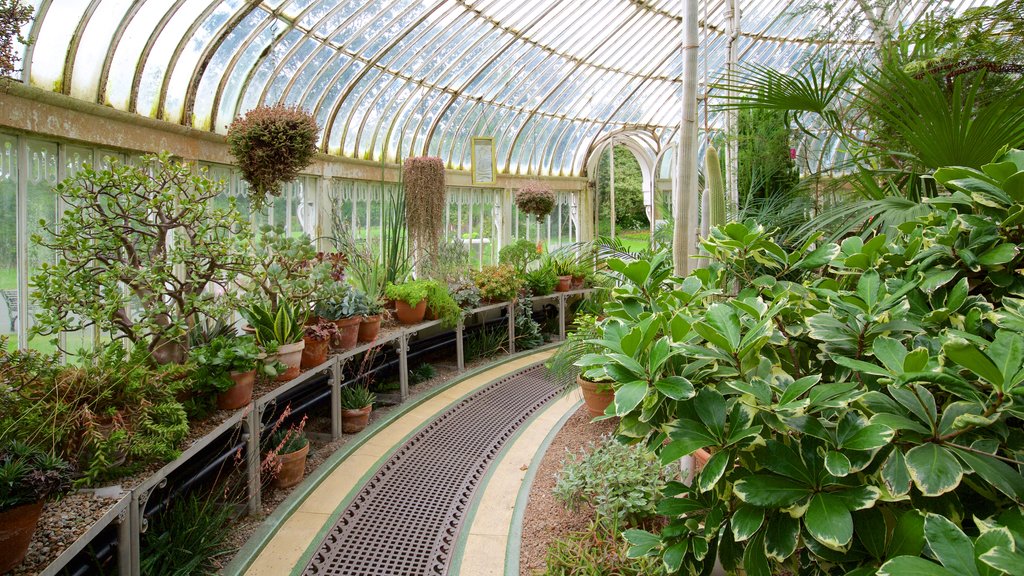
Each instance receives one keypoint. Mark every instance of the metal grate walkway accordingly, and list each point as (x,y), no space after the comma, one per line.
(406,519)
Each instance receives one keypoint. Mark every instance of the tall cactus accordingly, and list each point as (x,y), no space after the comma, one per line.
(715,186)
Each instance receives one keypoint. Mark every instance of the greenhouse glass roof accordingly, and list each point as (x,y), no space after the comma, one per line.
(393,78)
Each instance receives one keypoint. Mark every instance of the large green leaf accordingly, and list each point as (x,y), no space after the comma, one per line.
(723,319)
(895,474)
(998,255)
(641,542)
(629,396)
(913,566)
(829,521)
(999,474)
(1007,349)
(710,407)
(908,535)
(713,470)
(675,387)
(950,545)
(745,521)
(687,437)
(996,538)
(969,356)
(934,469)
(781,536)
(770,490)
(870,437)
(869,526)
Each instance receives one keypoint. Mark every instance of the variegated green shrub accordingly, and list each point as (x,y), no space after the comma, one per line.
(863,401)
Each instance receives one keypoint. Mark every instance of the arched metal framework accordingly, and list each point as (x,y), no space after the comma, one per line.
(548,79)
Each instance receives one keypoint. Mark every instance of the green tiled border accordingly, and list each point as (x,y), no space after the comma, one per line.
(269,527)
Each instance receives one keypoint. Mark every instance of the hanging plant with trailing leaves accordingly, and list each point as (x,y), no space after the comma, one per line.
(271,145)
(424,201)
(535,198)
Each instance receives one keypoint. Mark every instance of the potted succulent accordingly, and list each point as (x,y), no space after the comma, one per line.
(410,300)
(564,268)
(465,293)
(27,478)
(369,325)
(279,333)
(288,452)
(543,280)
(345,308)
(318,337)
(498,283)
(356,405)
(227,364)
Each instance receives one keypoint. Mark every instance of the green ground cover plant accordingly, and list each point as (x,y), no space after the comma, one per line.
(861,399)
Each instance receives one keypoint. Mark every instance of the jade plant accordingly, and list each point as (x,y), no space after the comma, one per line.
(860,399)
(117,266)
(286,268)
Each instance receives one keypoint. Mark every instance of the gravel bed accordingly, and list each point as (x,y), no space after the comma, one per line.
(545,518)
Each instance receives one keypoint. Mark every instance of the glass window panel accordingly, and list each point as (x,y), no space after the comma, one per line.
(188,57)
(215,70)
(128,51)
(58,26)
(310,68)
(265,69)
(42,207)
(292,63)
(9,238)
(388,29)
(85,79)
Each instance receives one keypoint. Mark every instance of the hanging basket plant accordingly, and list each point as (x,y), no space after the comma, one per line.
(535,198)
(271,145)
(424,200)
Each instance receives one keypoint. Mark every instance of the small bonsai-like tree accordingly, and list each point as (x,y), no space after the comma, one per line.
(535,198)
(138,250)
(270,145)
(424,203)
(13,15)
(286,269)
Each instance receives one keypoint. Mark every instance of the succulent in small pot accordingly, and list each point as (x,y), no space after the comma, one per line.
(369,326)
(279,332)
(498,283)
(410,300)
(226,365)
(344,305)
(27,477)
(287,456)
(535,198)
(564,268)
(318,337)
(356,405)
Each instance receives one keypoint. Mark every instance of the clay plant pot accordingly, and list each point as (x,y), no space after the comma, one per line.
(240,394)
(353,421)
(564,283)
(293,467)
(597,396)
(408,314)
(349,328)
(315,353)
(291,356)
(577,282)
(17,526)
(369,328)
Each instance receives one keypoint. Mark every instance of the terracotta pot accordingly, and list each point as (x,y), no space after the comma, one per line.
(577,282)
(315,353)
(353,421)
(291,356)
(349,328)
(597,396)
(369,328)
(293,467)
(409,315)
(700,459)
(17,526)
(564,283)
(240,394)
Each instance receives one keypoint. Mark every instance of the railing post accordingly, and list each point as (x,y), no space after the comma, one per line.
(125,530)
(512,327)
(336,369)
(403,366)
(561,316)
(253,424)
(459,345)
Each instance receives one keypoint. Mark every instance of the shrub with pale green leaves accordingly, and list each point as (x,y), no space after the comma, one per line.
(862,400)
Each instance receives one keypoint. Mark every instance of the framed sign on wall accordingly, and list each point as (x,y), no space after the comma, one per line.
(485,166)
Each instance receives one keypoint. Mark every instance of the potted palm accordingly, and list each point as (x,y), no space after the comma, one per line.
(27,478)
(287,456)
(318,337)
(279,333)
(596,386)
(227,365)
(356,405)
(564,268)
(410,300)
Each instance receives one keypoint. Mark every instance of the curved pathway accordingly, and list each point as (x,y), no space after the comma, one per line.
(396,503)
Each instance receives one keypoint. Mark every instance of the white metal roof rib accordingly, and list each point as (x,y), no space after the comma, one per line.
(393,78)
